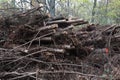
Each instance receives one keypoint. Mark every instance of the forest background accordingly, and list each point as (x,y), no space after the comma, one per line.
(95,11)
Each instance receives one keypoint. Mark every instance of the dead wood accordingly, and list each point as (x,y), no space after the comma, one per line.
(35,46)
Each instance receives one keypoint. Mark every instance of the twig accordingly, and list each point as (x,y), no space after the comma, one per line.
(26,56)
(32,40)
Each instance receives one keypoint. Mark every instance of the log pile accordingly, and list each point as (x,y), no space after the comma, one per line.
(38,47)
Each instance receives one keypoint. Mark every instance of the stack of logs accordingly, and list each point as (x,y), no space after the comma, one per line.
(38,47)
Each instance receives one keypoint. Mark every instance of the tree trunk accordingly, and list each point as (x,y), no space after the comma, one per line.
(13,3)
(107,1)
(93,11)
(51,4)
(68,7)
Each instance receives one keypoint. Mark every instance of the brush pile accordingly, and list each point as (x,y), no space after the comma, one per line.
(35,46)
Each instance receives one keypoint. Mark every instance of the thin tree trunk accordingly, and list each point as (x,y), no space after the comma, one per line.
(107,1)
(68,7)
(21,4)
(93,11)
(13,3)
(51,7)
(45,8)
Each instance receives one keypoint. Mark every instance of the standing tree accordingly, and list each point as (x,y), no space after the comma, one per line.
(51,7)
(68,6)
(106,11)
(93,11)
